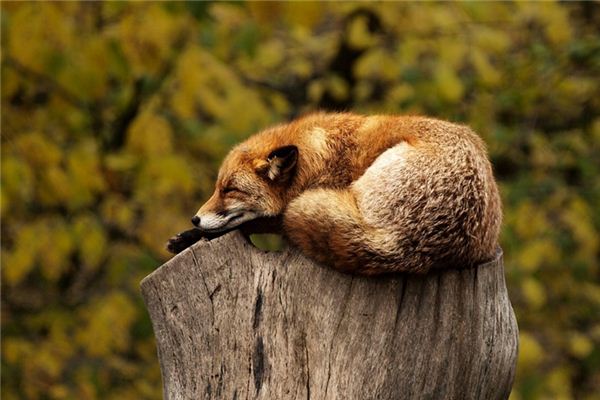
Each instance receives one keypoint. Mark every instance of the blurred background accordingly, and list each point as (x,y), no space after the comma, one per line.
(115,117)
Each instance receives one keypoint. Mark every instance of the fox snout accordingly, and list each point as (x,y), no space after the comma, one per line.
(222,220)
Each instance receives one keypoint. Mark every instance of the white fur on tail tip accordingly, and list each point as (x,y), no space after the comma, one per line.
(386,165)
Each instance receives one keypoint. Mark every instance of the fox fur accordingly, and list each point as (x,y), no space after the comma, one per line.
(362,194)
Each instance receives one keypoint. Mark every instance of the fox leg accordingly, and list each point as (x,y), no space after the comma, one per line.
(328,226)
(185,239)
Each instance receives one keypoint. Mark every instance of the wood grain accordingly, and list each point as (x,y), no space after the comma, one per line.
(233,322)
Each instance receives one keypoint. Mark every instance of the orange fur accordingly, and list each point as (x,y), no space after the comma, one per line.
(365,194)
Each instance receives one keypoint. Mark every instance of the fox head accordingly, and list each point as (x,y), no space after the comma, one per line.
(250,185)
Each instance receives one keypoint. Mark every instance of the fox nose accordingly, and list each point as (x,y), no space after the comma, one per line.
(196,220)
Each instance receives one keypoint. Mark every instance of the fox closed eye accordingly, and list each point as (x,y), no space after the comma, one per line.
(232,190)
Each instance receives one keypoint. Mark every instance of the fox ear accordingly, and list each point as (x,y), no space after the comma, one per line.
(280,164)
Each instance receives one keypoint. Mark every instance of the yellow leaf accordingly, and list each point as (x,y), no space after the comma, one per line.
(85,175)
(55,187)
(305,13)
(448,84)
(400,93)
(530,352)
(363,90)
(337,87)
(489,75)
(514,394)
(106,325)
(118,211)
(92,241)
(29,24)
(17,181)
(492,40)
(558,27)
(183,103)
(452,53)
(358,34)
(56,245)
(59,391)
(45,360)
(301,67)
(150,134)
(14,349)
(376,63)
(147,37)
(539,251)
(280,104)
(580,345)
(38,150)
(19,262)
(316,89)
(534,292)
(265,12)
(559,383)
(271,54)
(120,161)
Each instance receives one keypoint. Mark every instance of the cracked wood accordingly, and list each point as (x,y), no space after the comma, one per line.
(233,322)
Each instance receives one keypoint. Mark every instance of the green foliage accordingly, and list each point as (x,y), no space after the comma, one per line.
(115,117)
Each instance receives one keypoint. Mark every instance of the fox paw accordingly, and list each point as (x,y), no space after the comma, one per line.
(183,240)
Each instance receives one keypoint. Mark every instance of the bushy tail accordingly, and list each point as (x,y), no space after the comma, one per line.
(329,228)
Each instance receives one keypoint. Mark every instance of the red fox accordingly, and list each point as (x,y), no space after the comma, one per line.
(362,194)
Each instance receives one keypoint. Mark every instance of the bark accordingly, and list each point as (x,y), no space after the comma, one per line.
(233,322)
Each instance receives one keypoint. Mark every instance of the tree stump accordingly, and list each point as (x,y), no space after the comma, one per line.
(234,322)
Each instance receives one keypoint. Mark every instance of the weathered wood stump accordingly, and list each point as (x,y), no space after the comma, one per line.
(233,322)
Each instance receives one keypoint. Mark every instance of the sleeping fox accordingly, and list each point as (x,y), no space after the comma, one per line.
(362,194)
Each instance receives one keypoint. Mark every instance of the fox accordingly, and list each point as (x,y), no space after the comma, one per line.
(361,194)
